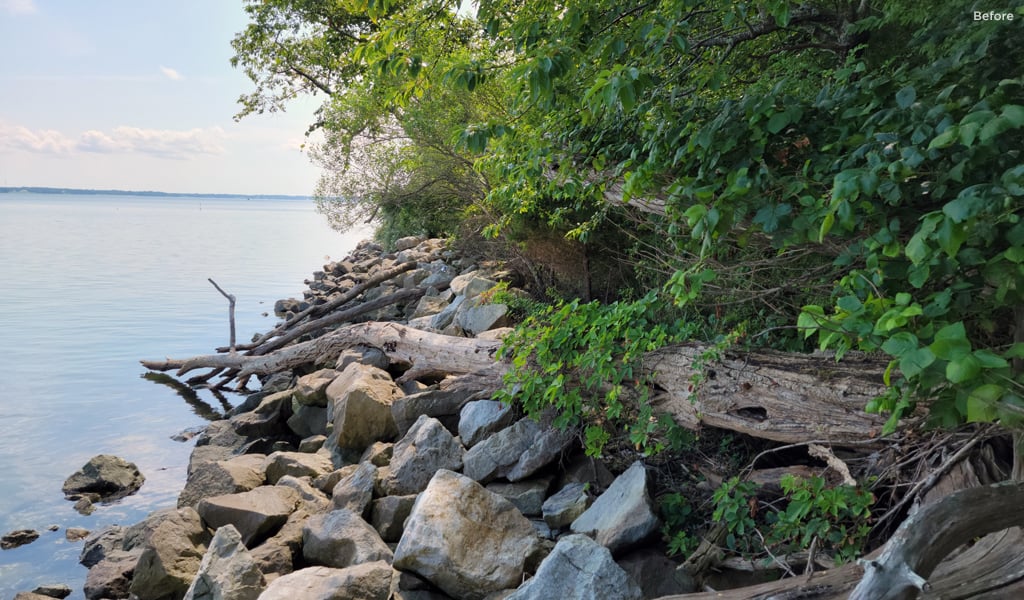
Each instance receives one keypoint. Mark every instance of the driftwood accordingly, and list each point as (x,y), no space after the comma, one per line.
(418,348)
(772,395)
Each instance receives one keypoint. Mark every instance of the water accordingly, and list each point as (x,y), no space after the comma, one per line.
(89,285)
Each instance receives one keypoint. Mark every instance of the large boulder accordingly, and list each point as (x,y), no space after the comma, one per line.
(518,451)
(296,464)
(256,514)
(227,571)
(464,539)
(471,284)
(566,505)
(100,544)
(476,317)
(239,474)
(579,569)
(340,539)
(443,405)
(111,577)
(278,554)
(311,498)
(425,449)
(623,515)
(311,390)
(360,399)
(388,515)
(308,421)
(366,581)
(527,496)
(355,492)
(480,418)
(266,419)
(173,542)
(105,477)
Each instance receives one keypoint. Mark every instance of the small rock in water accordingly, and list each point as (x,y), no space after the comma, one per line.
(73,534)
(84,506)
(187,434)
(53,590)
(105,476)
(18,538)
(53,528)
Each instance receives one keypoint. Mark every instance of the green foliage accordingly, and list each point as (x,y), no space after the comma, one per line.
(837,517)
(736,506)
(678,524)
(585,360)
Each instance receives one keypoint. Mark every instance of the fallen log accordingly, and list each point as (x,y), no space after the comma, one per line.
(785,397)
(419,348)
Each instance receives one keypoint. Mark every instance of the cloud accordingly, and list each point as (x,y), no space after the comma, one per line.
(161,143)
(18,7)
(171,73)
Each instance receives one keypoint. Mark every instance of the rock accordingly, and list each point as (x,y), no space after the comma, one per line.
(579,568)
(364,355)
(471,284)
(326,483)
(388,515)
(404,243)
(480,418)
(308,421)
(74,534)
(425,449)
(310,498)
(256,514)
(341,539)
(58,590)
(109,477)
(277,555)
(656,574)
(586,469)
(480,318)
(527,496)
(296,464)
(218,442)
(622,515)
(173,542)
(445,317)
(227,571)
(465,540)
(267,418)
(31,596)
(429,306)
(361,398)
(100,544)
(444,405)
(238,474)
(497,334)
(518,451)
(378,454)
(112,576)
(366,581)
(355,492)
(312,443)
(565,506)
(311,390)
(17,538)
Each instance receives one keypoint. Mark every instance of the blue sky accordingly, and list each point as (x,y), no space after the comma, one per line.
(139,95)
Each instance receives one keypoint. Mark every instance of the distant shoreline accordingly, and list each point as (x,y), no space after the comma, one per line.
(56,190)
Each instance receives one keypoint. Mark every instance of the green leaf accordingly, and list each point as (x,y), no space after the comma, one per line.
(1014,254)
(777,122)
(906,96)
(917,249)
(993,128)
(900,344)
(810,319)
(963,369)
(951,342)
(912,363)
(947,138)
(981,403)
(990,360)
(850,304)
(1014,114)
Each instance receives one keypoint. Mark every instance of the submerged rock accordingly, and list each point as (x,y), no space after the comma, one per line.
(18,538)
(106,476)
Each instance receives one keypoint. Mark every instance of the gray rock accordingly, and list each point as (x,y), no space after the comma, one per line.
(622,515)
(480,418)
(100,544)
(256,514)
(465,540)
(656,574)
(227,571)
(444,405)
(429,306)
(586,469)
(378,454)
(565,506)
(310,498)
(308,421)
(355,492)
(326,483)
(527,496)
(482,317)
(108,477)
(579,569)
(58,590)
(445,317)
(112,576)
(425,449)
(471,284)
(17,538)
(518,451)
(388,515)
(361,398)
(173,542)
(364,355)
(265,419)
(312,443)
(296,464)
(366,581)
(278,554)
(310,390)
(341,539)
(404,243)
(238,474)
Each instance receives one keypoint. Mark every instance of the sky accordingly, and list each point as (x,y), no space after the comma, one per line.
(139,95)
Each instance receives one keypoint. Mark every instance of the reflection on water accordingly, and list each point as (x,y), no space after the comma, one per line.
(89,285)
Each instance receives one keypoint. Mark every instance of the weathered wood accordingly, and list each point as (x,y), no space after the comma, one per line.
(778,396)
(419,348)
(935,530)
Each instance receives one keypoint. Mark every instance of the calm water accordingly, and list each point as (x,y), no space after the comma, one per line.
(88,286)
